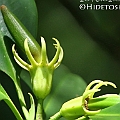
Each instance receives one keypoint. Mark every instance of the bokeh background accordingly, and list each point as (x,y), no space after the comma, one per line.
(90,38)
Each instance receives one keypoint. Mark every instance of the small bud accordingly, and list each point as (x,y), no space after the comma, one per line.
(20,33)
(41,72)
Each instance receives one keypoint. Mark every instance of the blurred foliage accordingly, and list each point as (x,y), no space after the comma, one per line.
(90,39)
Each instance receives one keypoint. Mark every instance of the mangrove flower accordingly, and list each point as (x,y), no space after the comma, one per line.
(86,105)
(41,72)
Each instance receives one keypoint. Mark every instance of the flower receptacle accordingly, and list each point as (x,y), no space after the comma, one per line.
(41,79)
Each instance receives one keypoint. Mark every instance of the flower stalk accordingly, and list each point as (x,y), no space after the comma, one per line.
(39,113)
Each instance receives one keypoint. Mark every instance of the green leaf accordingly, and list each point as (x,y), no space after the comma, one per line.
(4,96)
(5,62)
(7,66)
(27,7)
(110,113)
(65,87)
(32,109)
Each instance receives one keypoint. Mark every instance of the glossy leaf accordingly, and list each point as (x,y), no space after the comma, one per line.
(18,8)
(65,87)
(4,96)
(7,67)
(110,113)
(5,62)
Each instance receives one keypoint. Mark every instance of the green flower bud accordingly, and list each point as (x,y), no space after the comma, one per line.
(40,72)
(77,107)
(86,105)
(20,33)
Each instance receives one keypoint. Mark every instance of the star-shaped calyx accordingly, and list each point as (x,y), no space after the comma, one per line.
(41,72)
